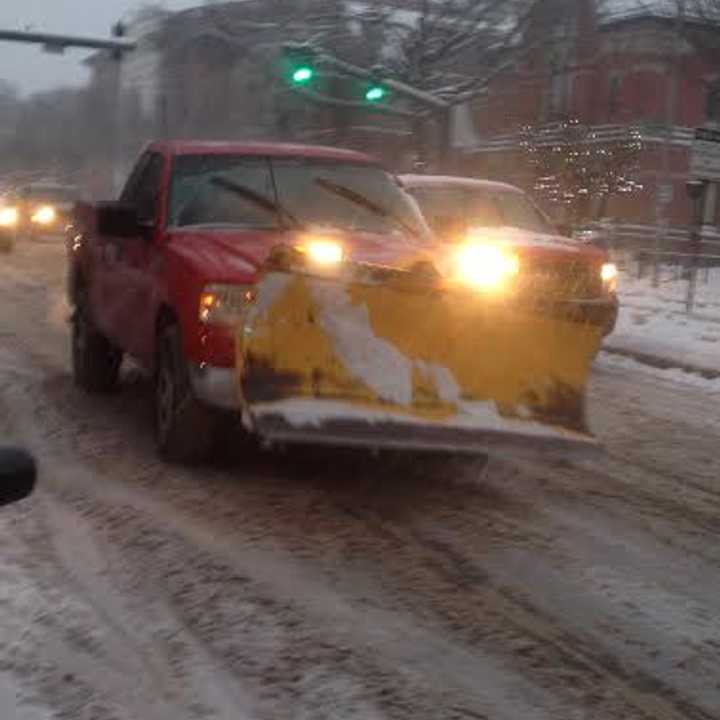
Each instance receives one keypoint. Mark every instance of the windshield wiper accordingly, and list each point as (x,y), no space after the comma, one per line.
(359,199)
(283,215)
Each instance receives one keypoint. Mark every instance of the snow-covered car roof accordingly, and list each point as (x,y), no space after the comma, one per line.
(439,181)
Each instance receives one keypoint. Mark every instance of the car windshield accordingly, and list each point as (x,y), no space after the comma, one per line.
(220,191)
(445,206)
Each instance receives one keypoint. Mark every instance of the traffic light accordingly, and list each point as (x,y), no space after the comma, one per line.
(299,59)
(375,93)
(303,74)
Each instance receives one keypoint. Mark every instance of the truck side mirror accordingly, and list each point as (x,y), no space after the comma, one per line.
(119,220)
(17,475)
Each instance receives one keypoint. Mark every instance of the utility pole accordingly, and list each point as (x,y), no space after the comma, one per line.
(116,144)
(663,199)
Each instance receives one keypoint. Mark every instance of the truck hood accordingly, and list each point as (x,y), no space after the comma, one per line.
(232,256)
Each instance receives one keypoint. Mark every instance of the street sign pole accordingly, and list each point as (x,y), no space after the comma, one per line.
(662,209)
(696,192)
(704,168)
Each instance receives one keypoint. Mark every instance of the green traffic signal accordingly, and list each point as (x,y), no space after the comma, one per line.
(375,93)
(303,75)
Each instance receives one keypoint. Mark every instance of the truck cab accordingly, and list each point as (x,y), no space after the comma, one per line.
(164,273)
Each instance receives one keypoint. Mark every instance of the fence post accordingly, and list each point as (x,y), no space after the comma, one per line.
(696,191)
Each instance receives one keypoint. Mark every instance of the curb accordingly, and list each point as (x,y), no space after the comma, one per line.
(663,363)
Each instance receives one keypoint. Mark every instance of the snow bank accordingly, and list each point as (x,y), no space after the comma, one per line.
(653,322)
(12,709)
(673,375)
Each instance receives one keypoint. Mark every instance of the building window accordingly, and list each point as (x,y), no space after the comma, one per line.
(614,96)
(712,110)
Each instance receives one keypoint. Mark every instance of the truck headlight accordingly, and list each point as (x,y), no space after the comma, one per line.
(224,304)
(486,266)
(323,252)
(9,217)
(44,215)
(609,275)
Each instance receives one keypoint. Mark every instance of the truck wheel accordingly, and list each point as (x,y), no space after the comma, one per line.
(96,362)
(186,428)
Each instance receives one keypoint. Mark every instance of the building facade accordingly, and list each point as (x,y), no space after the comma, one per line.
(611,65)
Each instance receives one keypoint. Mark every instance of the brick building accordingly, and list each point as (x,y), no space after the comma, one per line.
(611,64)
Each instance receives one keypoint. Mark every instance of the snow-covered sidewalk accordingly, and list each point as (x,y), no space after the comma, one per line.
(653,327)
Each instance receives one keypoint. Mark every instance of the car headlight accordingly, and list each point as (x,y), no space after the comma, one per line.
(9,217)
(609,275)
(486,266)
(224,304)
(321,251)
(44,215)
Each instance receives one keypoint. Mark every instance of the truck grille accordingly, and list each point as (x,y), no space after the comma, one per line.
(563,279)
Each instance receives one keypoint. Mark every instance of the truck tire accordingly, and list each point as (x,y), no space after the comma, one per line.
(185,427)
(95,361)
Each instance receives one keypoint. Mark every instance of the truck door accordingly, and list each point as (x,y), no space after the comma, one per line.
(130,284)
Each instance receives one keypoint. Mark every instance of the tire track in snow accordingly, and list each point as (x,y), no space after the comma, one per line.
(395,640)
(544,639)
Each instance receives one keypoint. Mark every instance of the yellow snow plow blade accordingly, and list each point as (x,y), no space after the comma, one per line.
(393,364)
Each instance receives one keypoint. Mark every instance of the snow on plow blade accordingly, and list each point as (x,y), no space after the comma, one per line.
(393,363)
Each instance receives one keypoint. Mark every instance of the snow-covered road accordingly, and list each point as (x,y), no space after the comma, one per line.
(320,585)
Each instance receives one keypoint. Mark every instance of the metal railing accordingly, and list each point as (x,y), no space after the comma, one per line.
(692,268)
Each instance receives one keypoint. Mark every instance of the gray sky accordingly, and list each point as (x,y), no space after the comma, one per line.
(30,69)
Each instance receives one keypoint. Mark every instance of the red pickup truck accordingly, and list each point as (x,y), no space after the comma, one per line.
(164,273)
(300,289)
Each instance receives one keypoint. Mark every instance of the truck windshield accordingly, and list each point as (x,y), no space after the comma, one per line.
(466,207)
(223,191)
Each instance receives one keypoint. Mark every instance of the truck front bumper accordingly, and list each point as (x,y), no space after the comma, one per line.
(215,386)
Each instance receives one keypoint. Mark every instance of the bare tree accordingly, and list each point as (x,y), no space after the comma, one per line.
(576,170)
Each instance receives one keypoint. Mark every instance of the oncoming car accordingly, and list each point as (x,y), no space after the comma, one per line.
(42,209)
(503,216)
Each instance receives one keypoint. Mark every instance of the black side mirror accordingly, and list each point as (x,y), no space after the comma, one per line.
(17,475)
(117,220)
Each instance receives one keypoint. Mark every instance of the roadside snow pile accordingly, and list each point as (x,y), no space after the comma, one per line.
(674,375)
(654,328)
(10,707)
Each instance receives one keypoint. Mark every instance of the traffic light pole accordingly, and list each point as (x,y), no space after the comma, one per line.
(118,46)
(399,88)
(438,108)
(59,43)
(322,99)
